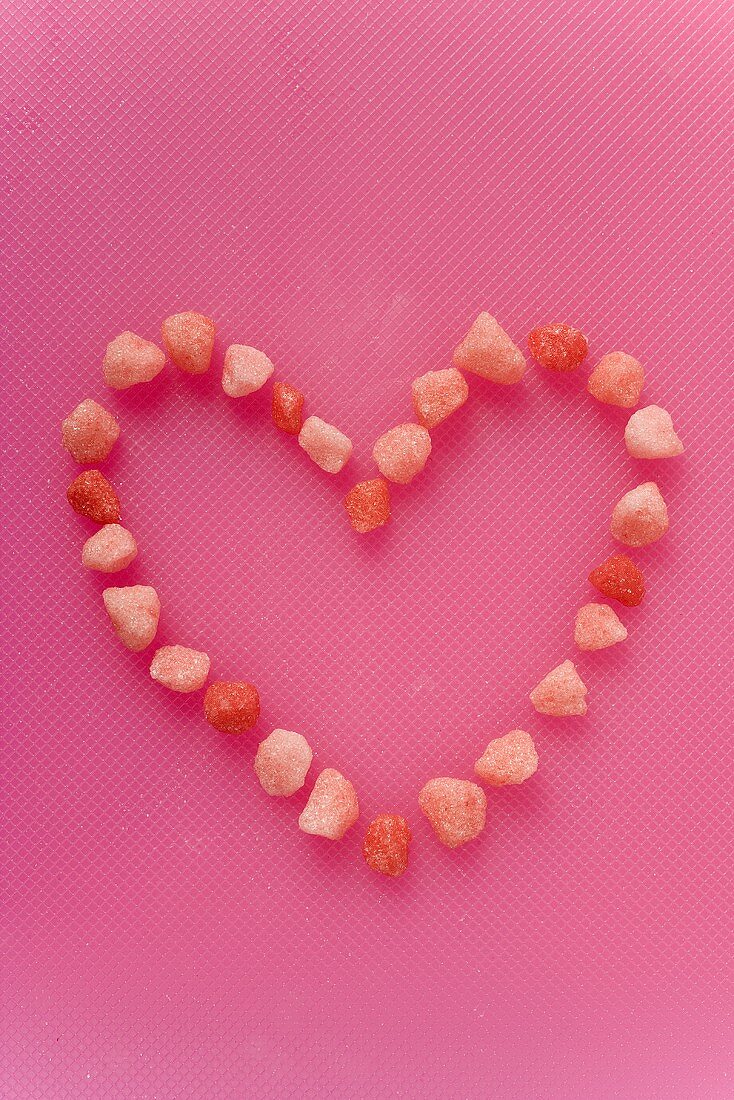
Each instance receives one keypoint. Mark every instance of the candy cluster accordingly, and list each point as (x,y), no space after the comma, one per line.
(455,808)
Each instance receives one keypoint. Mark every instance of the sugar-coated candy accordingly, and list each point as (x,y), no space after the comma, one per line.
(110,549)
(134,613)
(561,692)
(179,668)
(650,434)
(89,432)
(508,759)
(245,370)
(437,394)
(282,762)
(332,807)
(385,845)
(558,346)
(368,505)
(189,340)
(488,351)
(326,445)
(232,706)
(641,516)
(617,379)
(456,809)
(91,495)
(129,360)
(598,626)
(402,452)
(287,408)
(619,579)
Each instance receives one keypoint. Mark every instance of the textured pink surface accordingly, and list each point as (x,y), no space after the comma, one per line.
(346,186)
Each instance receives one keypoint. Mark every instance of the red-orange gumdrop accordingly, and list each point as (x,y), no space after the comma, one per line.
(287,408)
(91,495)
(189,340)
(558,347)
(385,845)
(368,505)
(619,579)
(232,707)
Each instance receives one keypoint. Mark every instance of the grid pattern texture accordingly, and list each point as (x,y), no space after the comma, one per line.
(346,185)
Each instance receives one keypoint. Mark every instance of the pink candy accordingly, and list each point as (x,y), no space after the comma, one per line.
(282,762)
(617,379)
(641,516)
(437,394)
(245,370)
(456,809)
(134,613)
(89,432)
(402,452)
(179,668)
(326,445)
(129,359)
(487,350)
(650,434)
(111,549)
(189,340)
(598,626)
(561,692)
(508,759)
(332,807)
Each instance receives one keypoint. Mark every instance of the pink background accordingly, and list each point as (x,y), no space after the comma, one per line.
(346,185)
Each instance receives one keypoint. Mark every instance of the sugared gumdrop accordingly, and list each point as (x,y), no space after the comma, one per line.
(89,432)
(179,668)
(332,807)
(231,706)
(385,845)
(368,505)
(326,445)
(508,759)
(561,693)
(189,341)
(111,549)
(282,762)
(641,516)
(650,434)
(619,579)
(617,379)
(91,495)
(558,346)
(287,410)
(488,351)
(456,809)
(598,626)
(134,613)
(402,452)
(129,360)
(437,394)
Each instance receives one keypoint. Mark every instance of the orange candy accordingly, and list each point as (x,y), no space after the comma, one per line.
(287,408)
(558,347)
(619,579)
(437,394)
(232,707)
(91,495)
(385,845)
(368,505)
(617,379)
(130,360)
(488,351)
(508,759)
(456,809)
(189,340)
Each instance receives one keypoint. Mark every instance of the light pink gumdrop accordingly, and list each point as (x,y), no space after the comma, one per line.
(437,394)
(110,549)
(456,809)
(561,692)
(617,379)
(508,759)
(641,516)
(487,350)
(402,452)
(129,359)
(326,445)
(189,340)
(650,434)
(134,613)
(245,370)
(332,807)
(179,668)
(598,626)
(89,432)
(282,762)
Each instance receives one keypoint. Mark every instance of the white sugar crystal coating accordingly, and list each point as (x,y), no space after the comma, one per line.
(488,351)
(326,445)
(641,516)
(332,807)
(110,549)
(456,809)
(130,360)
(179,668)
(245,370)
(134,613)
(89,432)
(282,762)
(650,434)
(508,759)
(597,627)
(402,452)
(561,693)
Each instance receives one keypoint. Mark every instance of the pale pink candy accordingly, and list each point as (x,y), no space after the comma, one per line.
(508,759)
(326,445)
(245,370)
(437,394)
(561,692)
(189,340)
(650,434)
(129,359)
(487,350)
(402,452)
(617,379)
(598,626)
(332,807)
(89,432)
(456,809)
(110,549)
(134,613)
(641,516)
(282,762)
(179,668)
